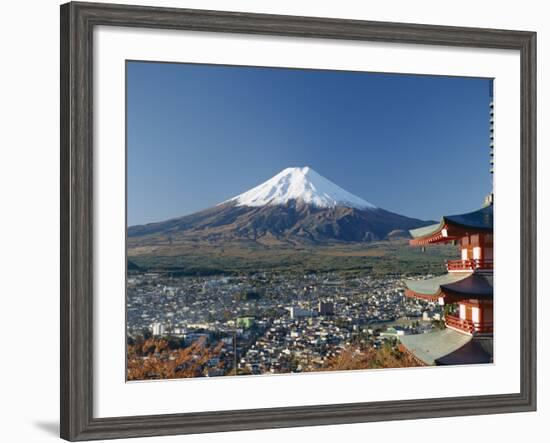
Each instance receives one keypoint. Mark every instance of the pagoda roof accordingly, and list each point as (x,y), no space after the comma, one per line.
(452,227)
(482,219)
(432,346)
(476,351)
(430,288)
(426,230)
(455,285)
(476,285)
(448,347)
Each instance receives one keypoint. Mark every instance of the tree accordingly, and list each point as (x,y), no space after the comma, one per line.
(155,360)
(368,357)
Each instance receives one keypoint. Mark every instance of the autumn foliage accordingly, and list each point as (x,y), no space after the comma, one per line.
(157,358)
(369,358)
(153,359)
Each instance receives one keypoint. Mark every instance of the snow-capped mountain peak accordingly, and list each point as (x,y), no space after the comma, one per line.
(300,184)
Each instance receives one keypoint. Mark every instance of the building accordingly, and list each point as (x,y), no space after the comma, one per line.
(297,313)
(465,291)
(245,322)
(158,329)
(326,307)
(392,333)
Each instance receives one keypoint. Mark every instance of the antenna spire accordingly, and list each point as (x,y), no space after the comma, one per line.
(489,198)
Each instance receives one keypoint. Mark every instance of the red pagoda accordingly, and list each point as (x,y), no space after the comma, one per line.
(465,291)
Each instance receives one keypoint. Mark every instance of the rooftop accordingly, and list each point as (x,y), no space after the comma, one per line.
(480,220)
(431,287)
(454,284)
(448,347)
(475,285)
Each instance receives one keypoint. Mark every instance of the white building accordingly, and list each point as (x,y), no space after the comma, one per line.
(158,329)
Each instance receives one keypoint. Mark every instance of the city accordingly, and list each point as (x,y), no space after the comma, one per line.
(266,322)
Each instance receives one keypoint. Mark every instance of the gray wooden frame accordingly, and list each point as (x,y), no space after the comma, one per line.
(77,24)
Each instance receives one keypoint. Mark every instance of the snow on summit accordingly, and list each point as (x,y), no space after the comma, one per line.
(302,184)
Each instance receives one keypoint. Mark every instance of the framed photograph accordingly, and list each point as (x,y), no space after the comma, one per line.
(273,221)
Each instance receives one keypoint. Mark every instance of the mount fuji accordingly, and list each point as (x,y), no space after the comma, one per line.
(297,205)
(303,185)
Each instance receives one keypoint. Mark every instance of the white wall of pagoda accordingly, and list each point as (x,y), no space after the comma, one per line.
(462,311)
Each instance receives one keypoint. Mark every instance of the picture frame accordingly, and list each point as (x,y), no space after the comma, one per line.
(77,211)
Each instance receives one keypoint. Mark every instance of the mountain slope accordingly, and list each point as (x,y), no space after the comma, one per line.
(296,206)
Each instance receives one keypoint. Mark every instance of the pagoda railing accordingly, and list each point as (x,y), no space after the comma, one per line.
(469,265)
(468,326)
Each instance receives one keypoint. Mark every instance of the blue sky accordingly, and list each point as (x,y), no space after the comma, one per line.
(200,134)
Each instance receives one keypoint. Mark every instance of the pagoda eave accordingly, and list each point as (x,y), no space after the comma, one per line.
(456,297)
(446,233)
(474,287)
(447,347)
(427,297)
(431,289)
(454,227)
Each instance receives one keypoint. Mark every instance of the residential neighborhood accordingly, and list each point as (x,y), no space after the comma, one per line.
(273,323)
